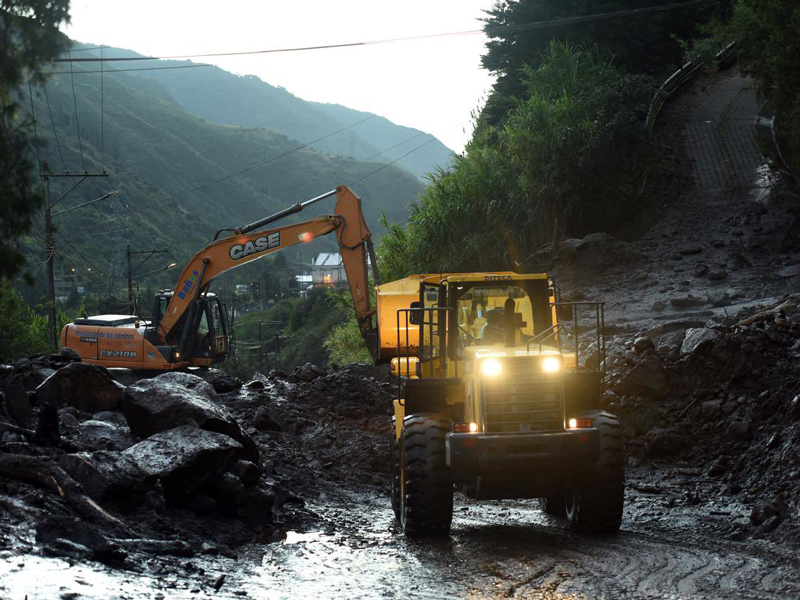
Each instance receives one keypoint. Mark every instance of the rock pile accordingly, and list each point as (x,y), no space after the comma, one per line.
(127,449)
(725,397)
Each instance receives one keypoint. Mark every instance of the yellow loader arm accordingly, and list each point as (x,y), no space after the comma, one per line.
(245,244)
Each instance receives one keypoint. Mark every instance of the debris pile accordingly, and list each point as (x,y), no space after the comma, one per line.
(179,463)
(725,398)
(136,462)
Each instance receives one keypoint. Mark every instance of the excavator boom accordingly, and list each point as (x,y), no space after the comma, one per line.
(228,253)
(168,343)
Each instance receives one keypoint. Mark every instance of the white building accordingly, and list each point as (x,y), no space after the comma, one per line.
(327,269)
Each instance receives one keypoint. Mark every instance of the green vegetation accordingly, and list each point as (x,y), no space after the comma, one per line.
(293,332)
(30,38)
(344,343)
(23,332)
(767,32)
(569,155)
(649,43)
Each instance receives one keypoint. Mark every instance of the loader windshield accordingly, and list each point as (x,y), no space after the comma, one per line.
(484,312)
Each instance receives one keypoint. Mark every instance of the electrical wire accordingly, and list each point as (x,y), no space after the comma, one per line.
(75,102)
(487,30)
(35,131)
(273,159)
(250,168)
(102,117)
(192,66)
(79,253)
(363,161)
(53,123)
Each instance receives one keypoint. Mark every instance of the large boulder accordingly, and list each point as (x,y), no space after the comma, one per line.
(174,399)
(98,435)
(646,378)
(698,340)
(17,403)
(87,387)
(185,459)
(107,474)
(221,381)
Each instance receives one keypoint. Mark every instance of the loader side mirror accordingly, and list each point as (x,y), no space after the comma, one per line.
(414,315)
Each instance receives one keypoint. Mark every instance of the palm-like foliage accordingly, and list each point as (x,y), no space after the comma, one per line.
(567,149)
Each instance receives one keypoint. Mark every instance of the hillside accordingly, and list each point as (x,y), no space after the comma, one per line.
(222,97)
(175,173)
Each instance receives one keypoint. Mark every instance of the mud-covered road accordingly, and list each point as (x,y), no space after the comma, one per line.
(496,549)
(511,549)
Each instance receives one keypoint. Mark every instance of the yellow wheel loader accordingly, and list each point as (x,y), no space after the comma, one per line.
(190,326)
(498,398)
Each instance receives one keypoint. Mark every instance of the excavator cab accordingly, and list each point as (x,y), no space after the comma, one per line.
(208,339)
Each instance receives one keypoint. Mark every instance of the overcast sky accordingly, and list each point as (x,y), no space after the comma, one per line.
(432,85)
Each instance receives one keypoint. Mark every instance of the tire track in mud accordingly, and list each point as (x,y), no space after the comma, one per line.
(511,549)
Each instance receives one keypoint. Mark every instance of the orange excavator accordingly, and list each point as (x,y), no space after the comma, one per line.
(189,325)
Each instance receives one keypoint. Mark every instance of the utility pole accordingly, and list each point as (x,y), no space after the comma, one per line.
(149,253)
(50,248)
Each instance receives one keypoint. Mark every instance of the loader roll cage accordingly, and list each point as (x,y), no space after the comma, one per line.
(572,330)
(427,351)
(567,336)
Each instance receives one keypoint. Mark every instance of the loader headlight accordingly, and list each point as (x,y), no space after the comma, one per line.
(551,365)
(491,367)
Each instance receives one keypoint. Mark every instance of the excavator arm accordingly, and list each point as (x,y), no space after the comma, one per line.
(245,245)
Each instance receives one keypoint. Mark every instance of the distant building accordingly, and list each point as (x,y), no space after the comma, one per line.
(242,288)
(327,269)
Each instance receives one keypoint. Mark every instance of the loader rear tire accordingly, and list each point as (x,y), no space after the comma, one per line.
(595,500)
(426,497)
(394,470)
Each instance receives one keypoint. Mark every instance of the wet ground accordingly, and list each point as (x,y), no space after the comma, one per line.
(497,549)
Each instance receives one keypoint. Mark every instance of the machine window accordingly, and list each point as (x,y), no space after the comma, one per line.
(483,311)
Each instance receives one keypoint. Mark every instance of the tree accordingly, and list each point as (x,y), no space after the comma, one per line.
(643,44)
(22,332)
(770,53)
(29,39)
(570,149)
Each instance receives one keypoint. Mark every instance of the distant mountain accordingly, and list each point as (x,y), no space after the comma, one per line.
(179,175)
(222,97)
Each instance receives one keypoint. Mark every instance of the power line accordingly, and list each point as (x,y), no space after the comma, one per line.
(193,66)
(35,132)
(75,102)
(78,252)
(274,158)
(362,161)
(391,163)
(487,30)
(250,168)
(53,123)
(102,117)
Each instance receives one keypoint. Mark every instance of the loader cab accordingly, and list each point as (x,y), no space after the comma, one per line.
(209,329)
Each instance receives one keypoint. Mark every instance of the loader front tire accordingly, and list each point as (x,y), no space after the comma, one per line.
(595,500)
(426,495)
